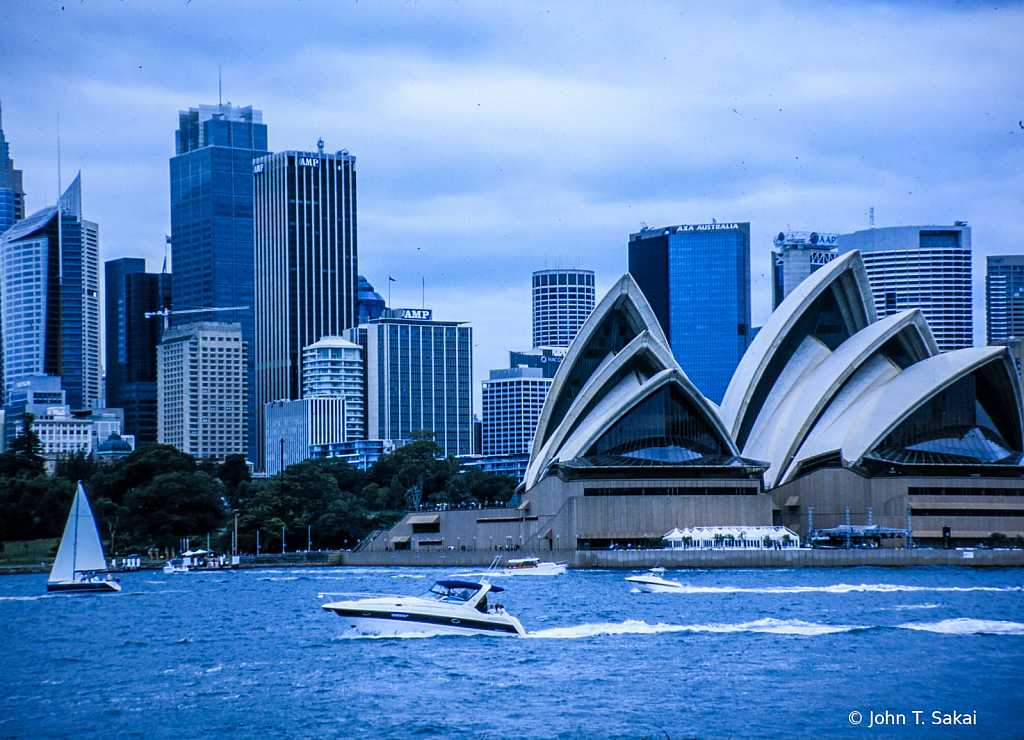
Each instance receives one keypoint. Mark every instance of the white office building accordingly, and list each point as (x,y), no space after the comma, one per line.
(925,267)
(201,386)
(797,254)
(562,301)
(511,401)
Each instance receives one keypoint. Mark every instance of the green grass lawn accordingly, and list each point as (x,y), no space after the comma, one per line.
(29,552)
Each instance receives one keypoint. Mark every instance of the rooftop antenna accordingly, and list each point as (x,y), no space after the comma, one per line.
(167,246)
(220,88)
(320,145)
(871,216)
(60,210)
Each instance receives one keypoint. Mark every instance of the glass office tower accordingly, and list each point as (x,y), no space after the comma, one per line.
(697,280)
(131,342)
(306,263)
(1004,297)
(212,219)
(12,195)
(49,268)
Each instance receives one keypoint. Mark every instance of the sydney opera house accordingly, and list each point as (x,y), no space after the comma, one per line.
(832,417)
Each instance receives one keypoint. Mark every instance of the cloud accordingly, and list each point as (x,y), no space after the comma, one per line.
(495,139)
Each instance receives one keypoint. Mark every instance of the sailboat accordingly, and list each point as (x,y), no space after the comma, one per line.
(80,562)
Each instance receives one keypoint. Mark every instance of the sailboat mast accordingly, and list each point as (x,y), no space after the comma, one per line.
(74,542)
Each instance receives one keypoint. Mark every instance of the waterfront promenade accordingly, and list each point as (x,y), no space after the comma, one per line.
(628,559)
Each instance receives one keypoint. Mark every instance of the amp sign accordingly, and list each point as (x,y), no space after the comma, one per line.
(418,314)
(309,162)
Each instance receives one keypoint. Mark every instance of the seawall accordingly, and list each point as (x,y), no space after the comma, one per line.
(641,559)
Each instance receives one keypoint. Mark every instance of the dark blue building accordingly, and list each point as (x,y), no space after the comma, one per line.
(697,280)
(131,342)
(212,219)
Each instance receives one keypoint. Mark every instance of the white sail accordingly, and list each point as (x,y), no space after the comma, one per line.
(80,548)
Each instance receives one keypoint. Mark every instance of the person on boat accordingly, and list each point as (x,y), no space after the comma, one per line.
(481,606)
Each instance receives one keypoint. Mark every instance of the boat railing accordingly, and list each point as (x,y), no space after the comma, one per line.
(354,595)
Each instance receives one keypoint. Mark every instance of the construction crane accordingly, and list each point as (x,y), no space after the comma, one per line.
(167,312)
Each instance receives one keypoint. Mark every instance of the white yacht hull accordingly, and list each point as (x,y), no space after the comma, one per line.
(403,616)
(654,585)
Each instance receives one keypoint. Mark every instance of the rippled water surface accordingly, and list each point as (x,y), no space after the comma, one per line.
(738,654)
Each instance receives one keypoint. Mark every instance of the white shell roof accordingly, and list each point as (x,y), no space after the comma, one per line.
(846,273)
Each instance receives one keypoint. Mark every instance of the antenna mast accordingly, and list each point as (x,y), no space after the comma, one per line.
(220,88)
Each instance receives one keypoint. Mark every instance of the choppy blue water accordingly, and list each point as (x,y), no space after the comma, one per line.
(741,654)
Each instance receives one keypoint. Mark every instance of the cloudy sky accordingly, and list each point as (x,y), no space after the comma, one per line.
(495,138)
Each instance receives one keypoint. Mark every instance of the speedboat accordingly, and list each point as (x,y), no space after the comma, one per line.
(448,608)
(532,567)
(654,582)
(175,565)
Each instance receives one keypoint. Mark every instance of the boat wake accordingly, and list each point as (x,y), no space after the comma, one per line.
(965,626)
(778,627)
(635,627)
(845,588)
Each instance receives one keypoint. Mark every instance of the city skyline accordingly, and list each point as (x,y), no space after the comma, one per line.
(496,142)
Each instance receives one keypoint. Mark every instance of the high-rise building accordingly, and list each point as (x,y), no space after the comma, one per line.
(132,339)
(306,262)
(511,403)
(925,267)
(12,193)
(418,378)
(49,270)
(562,301)
(697,280)
(1004,297)
(547,359)
(333,367)
(212,219)
(201,387)
(797,255)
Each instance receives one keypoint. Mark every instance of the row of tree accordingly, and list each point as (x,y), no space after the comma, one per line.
(157,496)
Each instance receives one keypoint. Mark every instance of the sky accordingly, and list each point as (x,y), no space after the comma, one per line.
(495,138)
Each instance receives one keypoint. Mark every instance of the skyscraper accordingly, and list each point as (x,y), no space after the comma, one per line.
(1004,297)
(12,194)
(132,340)
(799,253)
(418,378)
(201,371)
(306,262)
(512,401)
(212,218)
(562,301)
(697,280)
(925,267)
(49,269)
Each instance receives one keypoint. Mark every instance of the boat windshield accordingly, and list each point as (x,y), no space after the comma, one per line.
(453,591)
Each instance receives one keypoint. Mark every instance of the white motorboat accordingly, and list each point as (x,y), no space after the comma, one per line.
(533,567)
(448,608)
(654,582)
(80,564)
(175,565)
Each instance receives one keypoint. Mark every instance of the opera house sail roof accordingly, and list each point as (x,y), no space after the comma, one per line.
(825,383)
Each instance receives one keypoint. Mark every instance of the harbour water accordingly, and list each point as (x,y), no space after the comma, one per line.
(795,653)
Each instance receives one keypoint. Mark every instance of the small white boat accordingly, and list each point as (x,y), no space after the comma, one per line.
(80,564)
(533,567)
(448,608)
(654,582)
(175,565)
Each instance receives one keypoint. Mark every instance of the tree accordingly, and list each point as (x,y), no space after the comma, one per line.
(472,485)
(233,472)
(173,506)
(77,467)
(304,496)
(24,456)
(410,471)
